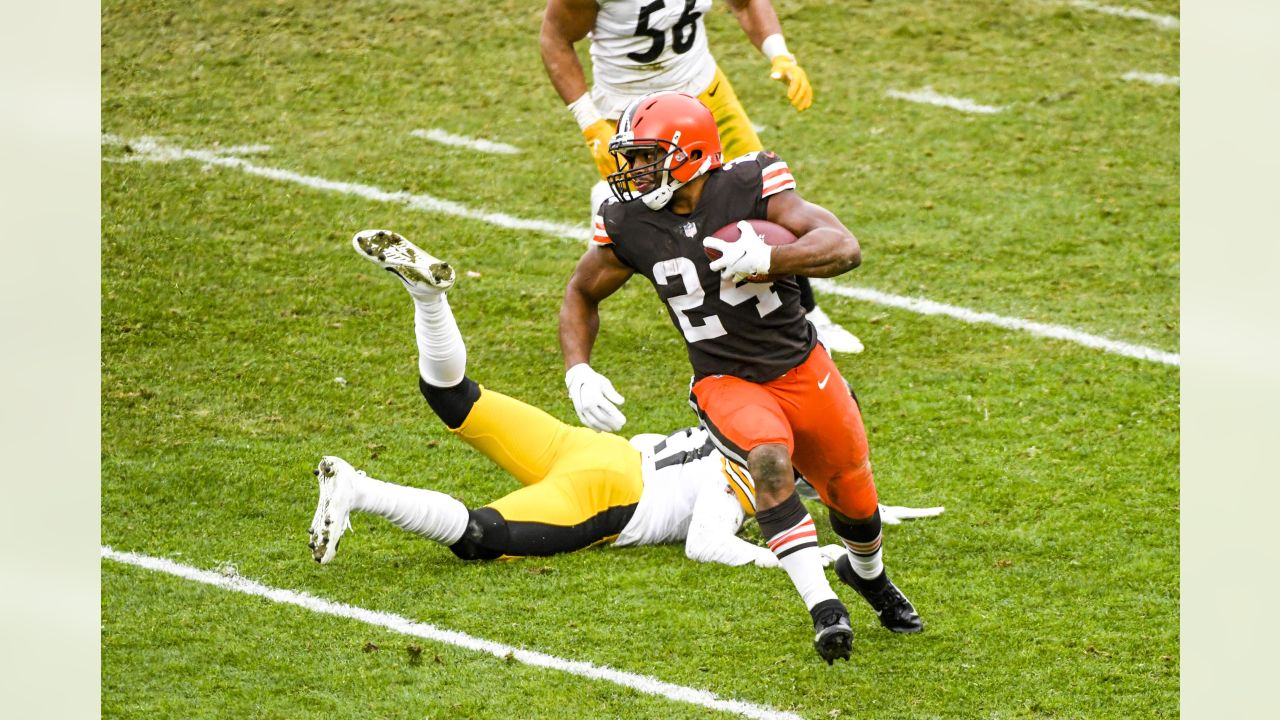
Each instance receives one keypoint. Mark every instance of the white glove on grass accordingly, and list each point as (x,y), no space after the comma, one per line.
(832,553)
(895,514)
(594,398)
(767,559)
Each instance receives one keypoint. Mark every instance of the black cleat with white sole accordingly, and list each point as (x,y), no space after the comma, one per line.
(895,610)
(833,637)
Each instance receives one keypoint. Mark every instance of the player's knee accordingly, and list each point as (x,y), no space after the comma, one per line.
(770,467)
(452,404)
(486,537)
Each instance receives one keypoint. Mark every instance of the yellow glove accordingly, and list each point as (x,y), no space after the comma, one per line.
(799,92)
(598,135)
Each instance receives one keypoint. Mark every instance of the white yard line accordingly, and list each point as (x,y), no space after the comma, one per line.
(477,144)
(243,150)
(1168,22)
(1152,78)
(929,96)
(405,626)
(149,150)
(1057,332)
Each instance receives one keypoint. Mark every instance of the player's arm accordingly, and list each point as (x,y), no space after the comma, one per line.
(565,23)
(824,247)
(598,275)
(713,531)
(760,23)
(757,19)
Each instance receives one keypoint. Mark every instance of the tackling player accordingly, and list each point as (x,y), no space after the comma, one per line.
(581,487)
(764,388)
(643,46)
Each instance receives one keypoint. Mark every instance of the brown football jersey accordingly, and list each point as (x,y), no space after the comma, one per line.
(755,331)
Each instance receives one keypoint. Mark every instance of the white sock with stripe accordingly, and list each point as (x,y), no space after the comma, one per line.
(428,513)
(792,537)
(866,558)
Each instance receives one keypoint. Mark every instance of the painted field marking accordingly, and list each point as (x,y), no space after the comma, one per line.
(477,144)
(1167,22)
(149,150)
(1152,78)
(929,96)
(1056,332)
(228,151)
(243,150)
(405,626)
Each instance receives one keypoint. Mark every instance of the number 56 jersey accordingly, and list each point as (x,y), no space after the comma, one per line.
(754,331)
(643,46)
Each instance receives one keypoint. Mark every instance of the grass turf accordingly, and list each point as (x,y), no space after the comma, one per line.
(232,304)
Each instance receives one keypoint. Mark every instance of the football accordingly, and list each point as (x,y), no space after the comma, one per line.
(771,233)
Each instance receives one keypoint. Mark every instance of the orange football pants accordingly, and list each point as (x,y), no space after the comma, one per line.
(810,410)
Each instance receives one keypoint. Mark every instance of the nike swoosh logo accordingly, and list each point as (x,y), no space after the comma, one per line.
(823,385)
(712,91)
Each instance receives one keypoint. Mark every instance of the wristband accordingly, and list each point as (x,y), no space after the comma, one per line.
(774,45)
(585,111)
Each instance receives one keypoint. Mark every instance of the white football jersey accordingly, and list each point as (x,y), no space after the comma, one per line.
(684,471)
(643,46)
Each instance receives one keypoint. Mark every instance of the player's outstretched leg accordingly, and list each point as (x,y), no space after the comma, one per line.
(894,609)
(442,355)
(344,490)
(789,531)
(417,269)
(333,512)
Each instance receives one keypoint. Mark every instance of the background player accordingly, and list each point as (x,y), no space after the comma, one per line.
(767,392)
(581,487)
(639,47)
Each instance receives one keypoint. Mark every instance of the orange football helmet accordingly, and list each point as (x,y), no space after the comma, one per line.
(681,134)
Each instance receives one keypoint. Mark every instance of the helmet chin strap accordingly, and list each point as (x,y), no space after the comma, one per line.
(657,198)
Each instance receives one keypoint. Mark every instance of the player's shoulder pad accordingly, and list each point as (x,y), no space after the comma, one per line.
(743,159)
(775,175)
(763,169)
(605,217)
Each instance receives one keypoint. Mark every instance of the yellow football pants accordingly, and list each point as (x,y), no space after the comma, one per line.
(737,135)
(582,483)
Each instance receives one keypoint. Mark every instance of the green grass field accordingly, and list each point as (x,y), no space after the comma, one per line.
(232,304)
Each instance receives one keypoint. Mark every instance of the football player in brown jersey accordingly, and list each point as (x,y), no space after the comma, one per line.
(764,387)
(639,47)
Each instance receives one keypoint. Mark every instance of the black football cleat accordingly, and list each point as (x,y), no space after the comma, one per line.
(833,636)
(894,609)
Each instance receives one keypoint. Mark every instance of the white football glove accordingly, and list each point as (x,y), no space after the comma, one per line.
(594,398)
(895,514)
(832,553)
(742,259)
(767,559)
